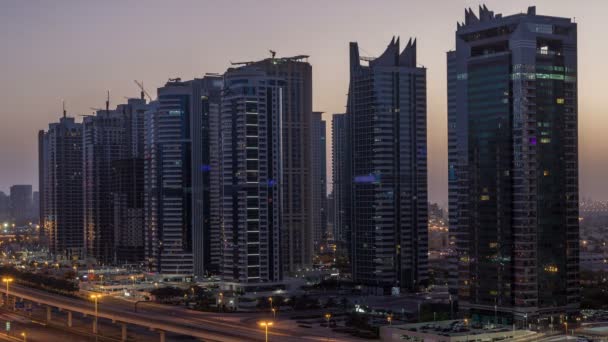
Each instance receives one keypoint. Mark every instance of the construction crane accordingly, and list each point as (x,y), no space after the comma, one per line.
(108,102)
(143,90)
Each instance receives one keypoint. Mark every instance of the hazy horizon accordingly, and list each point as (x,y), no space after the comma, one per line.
(77,50)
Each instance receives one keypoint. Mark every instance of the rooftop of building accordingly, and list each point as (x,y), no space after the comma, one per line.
(487,17)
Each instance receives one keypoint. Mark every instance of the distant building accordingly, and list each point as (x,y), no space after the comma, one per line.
(513,166)
(319,179)
(61,200)
(5,212)
(252,174)
(34,212)
(387,112)
(21,204)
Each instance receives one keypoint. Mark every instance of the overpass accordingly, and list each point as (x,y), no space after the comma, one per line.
(153,321)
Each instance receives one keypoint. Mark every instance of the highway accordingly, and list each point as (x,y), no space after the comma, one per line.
(170,319)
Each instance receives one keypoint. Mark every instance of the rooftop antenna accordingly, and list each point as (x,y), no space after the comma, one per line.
(272,53)
(63,107)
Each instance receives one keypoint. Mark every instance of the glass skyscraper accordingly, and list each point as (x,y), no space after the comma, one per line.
(513,166)
(387,122)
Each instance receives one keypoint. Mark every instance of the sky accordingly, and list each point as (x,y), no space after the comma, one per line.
(76,50)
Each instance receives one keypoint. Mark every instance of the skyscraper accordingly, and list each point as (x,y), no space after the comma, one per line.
(251,159)
(513,169)
(319,178)
(61,200)
(387,112)
(103,145)
(128,185)
(342,181)
(179,236)
(296,222)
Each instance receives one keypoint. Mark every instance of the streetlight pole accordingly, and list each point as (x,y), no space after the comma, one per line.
(95,297)
(24,336)
(327,318)
(7,280)
(266,324)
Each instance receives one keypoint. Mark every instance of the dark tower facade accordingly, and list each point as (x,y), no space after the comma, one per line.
(387,114)
(296,182)
(61,201)
(251,164)
(319,178)
(513,165)
(342,184)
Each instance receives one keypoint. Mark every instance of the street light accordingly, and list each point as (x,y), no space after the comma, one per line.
(7,280)
(266,324)
(327,317)
(389,318)
(24,335)
(95,297)
(566,324)
(274,313)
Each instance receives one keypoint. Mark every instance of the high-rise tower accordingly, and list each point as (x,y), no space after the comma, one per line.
(251,164)
(180,237)
(61,201)
(296,223)
(513,166)
(387,124)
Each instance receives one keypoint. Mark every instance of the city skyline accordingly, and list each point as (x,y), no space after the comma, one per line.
(391,170)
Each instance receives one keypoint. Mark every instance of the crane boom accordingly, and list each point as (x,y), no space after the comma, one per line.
(143,90)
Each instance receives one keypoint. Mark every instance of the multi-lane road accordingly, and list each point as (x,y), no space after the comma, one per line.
(175,320)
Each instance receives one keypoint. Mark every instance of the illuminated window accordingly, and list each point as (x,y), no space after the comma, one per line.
(560,101)
(493,245)
(551,269)
(545,140)
(546,173)
(485,197)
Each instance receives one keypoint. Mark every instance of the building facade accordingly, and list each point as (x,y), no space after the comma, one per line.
(319,179)
(253,104)
(296,224)
(342,184)
(387,112)
(61,198)
(104,138)
(128,185)
(180,238)
(513,166)
(21,204)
